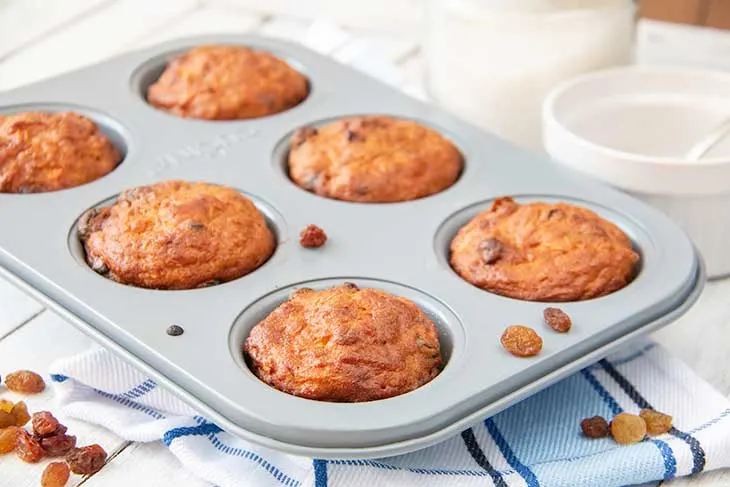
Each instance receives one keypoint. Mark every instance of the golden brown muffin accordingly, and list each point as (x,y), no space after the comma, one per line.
(42,152)
(373,159)
(176,235)
(227,83)
(543,252)
(345,344)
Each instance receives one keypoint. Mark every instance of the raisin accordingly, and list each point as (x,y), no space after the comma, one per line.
(196,226)
(175,330)
(656,423)
(87,460)
(55,475)
(491,250)
(25,382)
(6,406)
(557,319)
(312,237)
(353,135)
(20,412)
(521,341)
(628,428)
(8,439)
(44,424)
(595,427)
(27,448)
(6,419)
(58,445)
(302,135)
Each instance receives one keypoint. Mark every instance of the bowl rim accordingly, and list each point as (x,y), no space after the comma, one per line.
(550,116)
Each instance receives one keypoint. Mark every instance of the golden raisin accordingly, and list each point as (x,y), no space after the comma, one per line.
(8,439)
(312,237)
(87,460)
(656,423)
(20,412)
(628,428)
(557,319)
(6,419)
(44,424)
(55,475)
(521,341)
(595,427)
(25,382)
(27,448)
(6,405)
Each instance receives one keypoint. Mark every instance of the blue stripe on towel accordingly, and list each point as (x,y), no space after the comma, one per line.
(670,463)
(478,455)
(320,473)
(419,470)
(140,390)
(509,455)
(698,453)
(58,378)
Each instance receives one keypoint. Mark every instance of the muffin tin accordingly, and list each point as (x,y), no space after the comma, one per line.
(401,248)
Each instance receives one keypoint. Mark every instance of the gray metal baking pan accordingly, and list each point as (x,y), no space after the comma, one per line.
(400,248)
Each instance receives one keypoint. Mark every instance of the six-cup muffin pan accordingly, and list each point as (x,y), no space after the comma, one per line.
(401,248)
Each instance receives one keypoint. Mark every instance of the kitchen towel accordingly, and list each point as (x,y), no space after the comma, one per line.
(537,442)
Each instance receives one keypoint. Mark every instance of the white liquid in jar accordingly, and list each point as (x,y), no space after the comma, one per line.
(492,62)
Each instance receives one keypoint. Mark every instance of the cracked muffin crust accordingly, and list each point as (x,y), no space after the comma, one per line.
(176,235)
(42,152)
(543,252)
(227,82)
(373,159)
(344,344)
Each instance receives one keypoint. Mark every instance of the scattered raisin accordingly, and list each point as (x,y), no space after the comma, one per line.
(628,428)
(175,330)
(8,439)
(58,445)
(656,423)
(86,460)
(491,250)
(55,475)
(350,285)
(595,427)
(27,448)
(521,341)
(44,424)
(312,237)
(301,135)
(20,412)
(6,419)
(25,382)
(6,406)
(557,319)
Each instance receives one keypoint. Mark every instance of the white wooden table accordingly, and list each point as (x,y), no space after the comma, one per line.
(40,38)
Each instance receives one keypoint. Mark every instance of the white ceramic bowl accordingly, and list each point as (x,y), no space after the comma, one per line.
(631,127)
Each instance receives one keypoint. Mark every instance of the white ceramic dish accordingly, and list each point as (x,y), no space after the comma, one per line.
(631,127)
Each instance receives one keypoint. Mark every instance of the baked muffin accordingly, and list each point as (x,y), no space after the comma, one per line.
(373,159)
(344,344)
(543,252)
(222,82)
(176,235)
(42,152)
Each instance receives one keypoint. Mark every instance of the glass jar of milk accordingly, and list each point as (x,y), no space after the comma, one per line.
(492,62)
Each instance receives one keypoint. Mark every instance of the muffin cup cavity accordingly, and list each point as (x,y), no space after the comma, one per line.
(448,325)
(274,221)
(640,240)
(280,155)
(117,134)
(150,71)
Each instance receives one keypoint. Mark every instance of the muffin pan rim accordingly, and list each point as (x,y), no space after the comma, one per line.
(142,340)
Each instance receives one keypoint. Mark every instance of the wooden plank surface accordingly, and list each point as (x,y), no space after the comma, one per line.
(59,35)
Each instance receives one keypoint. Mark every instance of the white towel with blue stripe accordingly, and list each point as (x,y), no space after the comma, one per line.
(537,442)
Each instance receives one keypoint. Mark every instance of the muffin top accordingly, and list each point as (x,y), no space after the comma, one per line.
(373,159)
(176,235)
(543,252)
(42,152)
(224,82)
(345,344)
